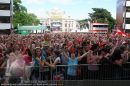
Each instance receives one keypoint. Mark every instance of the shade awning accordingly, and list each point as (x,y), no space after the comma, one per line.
(40,27)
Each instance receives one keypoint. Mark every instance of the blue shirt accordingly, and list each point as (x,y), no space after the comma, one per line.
(44,53)
(36,62)
(72,66)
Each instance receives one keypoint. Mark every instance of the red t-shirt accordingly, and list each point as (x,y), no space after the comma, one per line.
(27,59)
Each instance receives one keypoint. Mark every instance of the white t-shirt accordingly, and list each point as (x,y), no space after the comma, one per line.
(17,68)
(57,60)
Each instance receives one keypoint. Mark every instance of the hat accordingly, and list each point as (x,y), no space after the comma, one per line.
(45,43)
(37,48)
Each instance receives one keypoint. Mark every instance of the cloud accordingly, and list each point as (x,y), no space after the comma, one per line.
(33,1)
(41,13)
(65,2)
(71,7)
(61,1)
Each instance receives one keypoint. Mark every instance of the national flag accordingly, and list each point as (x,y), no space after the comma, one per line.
(119,31)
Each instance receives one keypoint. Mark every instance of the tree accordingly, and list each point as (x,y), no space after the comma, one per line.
(83,23)
(18,7)
(32,19)
(21,16)
(103,16)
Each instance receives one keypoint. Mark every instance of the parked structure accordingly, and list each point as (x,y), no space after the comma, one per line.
(6,13)
(98,28)
(123,14)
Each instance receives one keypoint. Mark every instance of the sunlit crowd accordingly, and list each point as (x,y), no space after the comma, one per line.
(70,56)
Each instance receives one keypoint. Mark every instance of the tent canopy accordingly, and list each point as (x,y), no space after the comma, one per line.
(78,30)
(24,32)
(40,27)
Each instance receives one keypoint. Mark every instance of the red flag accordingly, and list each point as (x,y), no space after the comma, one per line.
(120,32)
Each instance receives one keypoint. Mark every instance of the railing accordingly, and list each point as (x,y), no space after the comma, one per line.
(65,73)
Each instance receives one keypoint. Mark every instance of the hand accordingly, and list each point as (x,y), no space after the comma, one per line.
(90,51)
(53,66)
(107,55)
(38,59)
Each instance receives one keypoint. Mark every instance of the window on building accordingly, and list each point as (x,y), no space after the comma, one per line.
(65,24)
(66,30)
(69,25)
(4,6)
(100,26)
(4,19)
(127,21)
(72,23)
(128,9)
(69,22)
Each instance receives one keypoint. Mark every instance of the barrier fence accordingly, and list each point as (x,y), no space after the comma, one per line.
(66,73)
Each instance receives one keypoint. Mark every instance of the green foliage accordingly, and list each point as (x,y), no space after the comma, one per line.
(21,16)
(17,7)
(103,16)
(83,23)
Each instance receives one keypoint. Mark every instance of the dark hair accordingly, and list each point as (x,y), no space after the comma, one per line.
(84,44)
(80,47)
(63,45)
(57,53)
(107,49)
(110,40)
(116,55)
(45,47)
(104,49)
(8,52)
(94,47)
(122,48)
(29,52)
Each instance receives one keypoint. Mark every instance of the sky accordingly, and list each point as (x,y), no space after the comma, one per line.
(77,9)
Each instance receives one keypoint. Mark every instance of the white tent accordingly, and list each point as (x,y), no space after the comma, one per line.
(75,30)
(84,30)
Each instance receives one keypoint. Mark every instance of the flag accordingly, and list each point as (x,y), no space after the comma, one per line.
(120,32)
(124,42)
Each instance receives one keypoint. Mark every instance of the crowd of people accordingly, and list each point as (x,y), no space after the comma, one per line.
(72,55)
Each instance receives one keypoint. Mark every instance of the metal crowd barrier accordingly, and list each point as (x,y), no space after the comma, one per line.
(65,73)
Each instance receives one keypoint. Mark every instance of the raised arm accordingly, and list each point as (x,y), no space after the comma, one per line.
(81,57)
(113,49)
(70,47)
(65,54)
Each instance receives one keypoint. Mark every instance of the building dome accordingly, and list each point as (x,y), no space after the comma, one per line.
(56,9)
(56,13)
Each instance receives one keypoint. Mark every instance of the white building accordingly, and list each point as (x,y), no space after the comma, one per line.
(6,12)
(57,21)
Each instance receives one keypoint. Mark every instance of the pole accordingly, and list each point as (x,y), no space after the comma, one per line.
(11,14)
(125,17)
